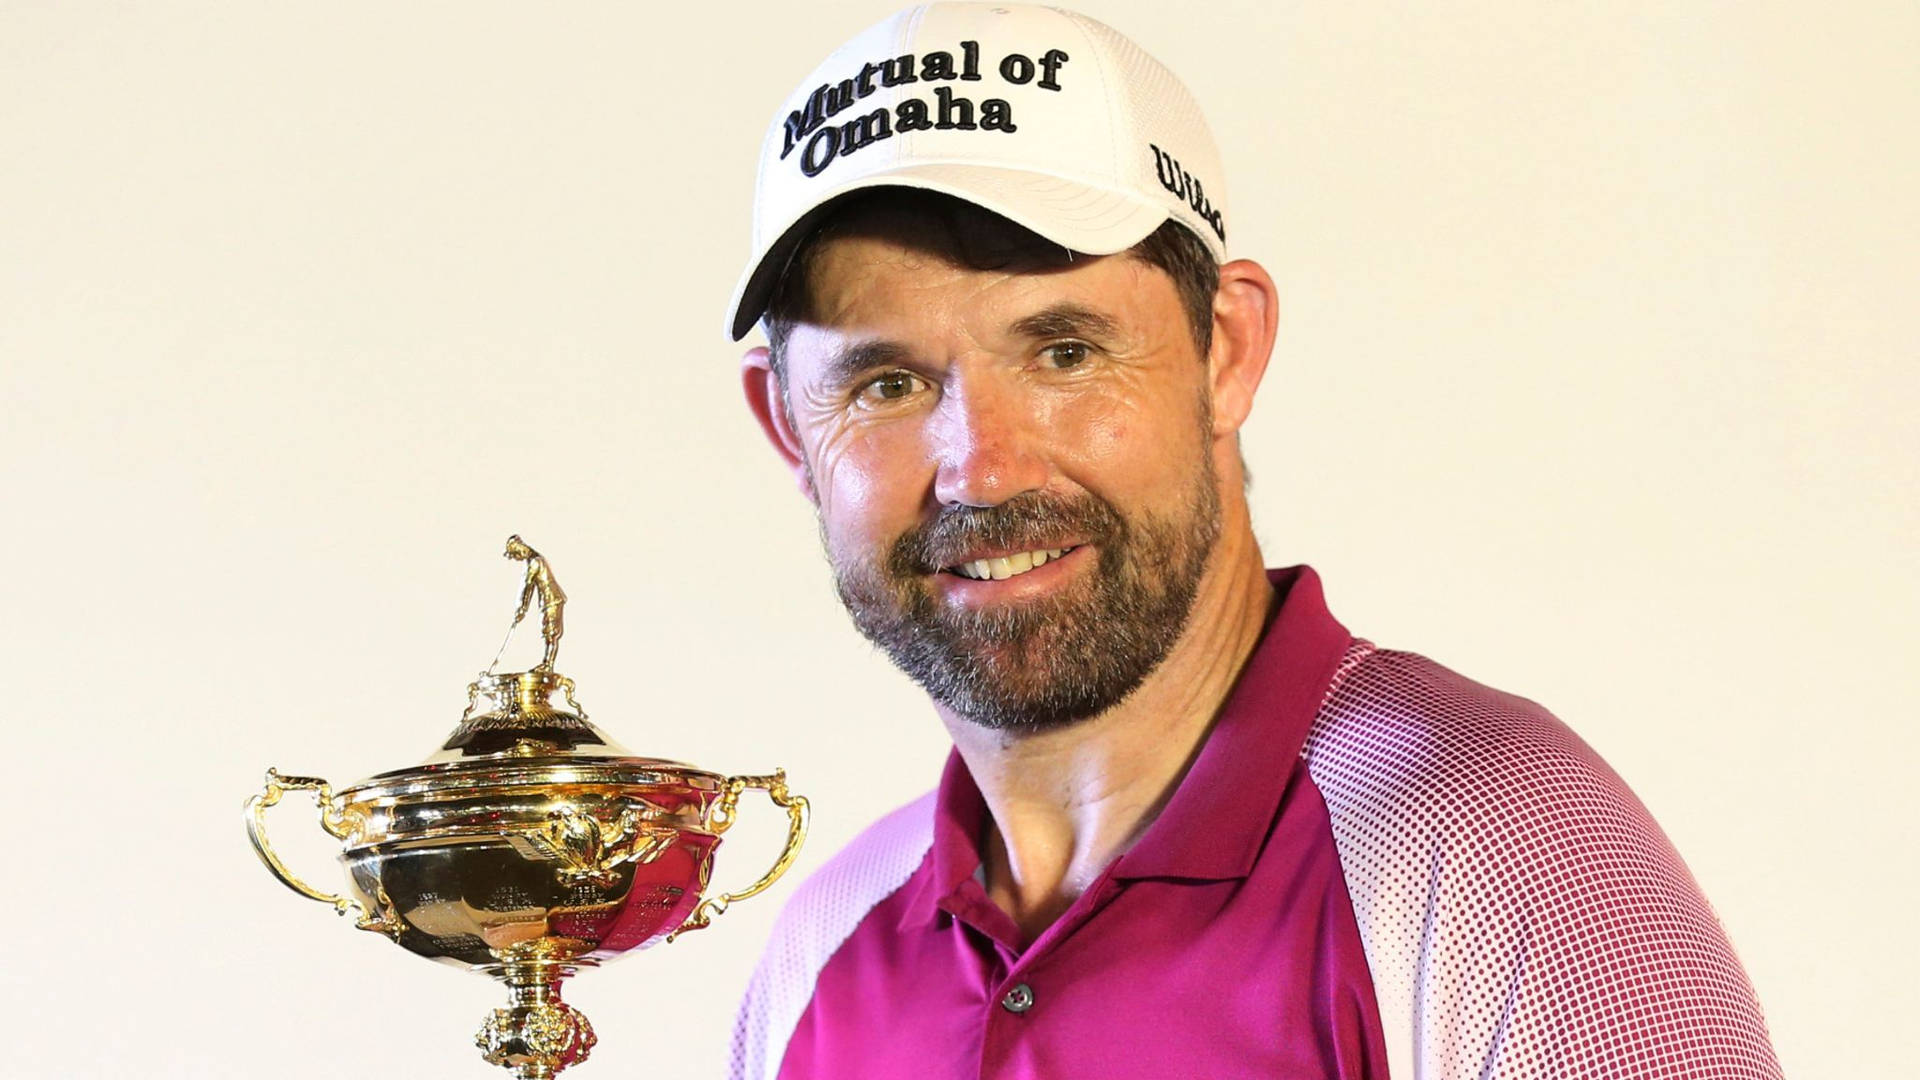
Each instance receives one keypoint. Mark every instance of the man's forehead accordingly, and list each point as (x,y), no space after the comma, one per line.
(862,283)
(849,273)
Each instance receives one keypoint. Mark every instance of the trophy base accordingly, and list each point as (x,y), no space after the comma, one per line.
(538,1034)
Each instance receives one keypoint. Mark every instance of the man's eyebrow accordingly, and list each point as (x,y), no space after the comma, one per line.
(1066,319)
(846,366)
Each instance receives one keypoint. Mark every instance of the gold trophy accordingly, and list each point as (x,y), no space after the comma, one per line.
(530,845)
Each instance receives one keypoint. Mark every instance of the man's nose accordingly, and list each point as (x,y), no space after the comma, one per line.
(986,445)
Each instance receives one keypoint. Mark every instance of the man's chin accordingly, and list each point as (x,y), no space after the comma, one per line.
(1020,710)
(1033,671)
(1014,632)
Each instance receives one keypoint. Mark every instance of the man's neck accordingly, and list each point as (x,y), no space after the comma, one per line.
(1067,802)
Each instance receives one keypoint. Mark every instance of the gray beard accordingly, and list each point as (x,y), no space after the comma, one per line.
(1050,663)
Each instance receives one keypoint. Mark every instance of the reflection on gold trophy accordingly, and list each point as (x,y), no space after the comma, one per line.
(530,845)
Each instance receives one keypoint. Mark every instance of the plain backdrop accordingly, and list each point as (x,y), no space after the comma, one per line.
(1596,381)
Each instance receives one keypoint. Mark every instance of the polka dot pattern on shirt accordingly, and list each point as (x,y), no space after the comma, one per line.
(1523,914)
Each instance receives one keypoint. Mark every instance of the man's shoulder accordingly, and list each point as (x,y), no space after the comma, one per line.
(1523,913)
(1440,773)
(1408,735)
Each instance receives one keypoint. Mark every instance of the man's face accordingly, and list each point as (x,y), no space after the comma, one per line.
(1012,467)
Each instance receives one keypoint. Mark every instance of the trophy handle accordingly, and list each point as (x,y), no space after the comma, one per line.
(720,819)
(332,820)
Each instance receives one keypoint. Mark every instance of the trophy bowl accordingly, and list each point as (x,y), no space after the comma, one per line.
(528,847)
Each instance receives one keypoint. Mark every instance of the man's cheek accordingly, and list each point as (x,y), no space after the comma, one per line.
(1096,428)
(873,483)
(838,499)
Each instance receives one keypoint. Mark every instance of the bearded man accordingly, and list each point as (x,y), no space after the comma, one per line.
(1190,826)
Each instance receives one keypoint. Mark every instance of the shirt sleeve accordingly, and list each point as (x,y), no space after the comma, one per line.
(1523,914)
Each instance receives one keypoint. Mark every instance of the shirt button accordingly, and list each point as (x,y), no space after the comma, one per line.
(1019,999)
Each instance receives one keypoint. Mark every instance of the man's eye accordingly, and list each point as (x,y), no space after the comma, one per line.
(892,386)
(1065,354)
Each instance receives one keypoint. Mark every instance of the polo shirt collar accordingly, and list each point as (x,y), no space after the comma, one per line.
(960,821)
(1213,826)
(1218,818)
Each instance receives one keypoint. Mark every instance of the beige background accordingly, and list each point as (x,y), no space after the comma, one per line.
(1596,382)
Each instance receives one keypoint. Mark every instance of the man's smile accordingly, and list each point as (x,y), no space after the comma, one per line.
(1002,567)
(1017,578)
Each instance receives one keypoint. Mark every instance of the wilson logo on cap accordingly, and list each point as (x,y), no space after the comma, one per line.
(1186,186)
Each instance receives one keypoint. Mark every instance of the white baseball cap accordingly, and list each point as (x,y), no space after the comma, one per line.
(1042,116)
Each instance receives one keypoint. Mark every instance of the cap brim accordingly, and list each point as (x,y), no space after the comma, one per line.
(1080,217)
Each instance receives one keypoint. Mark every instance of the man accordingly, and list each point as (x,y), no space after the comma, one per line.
(1191,827)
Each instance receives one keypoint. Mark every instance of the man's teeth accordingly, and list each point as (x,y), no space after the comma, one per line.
(1008,566)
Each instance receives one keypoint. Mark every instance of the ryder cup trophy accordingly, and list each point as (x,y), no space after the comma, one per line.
(530,845)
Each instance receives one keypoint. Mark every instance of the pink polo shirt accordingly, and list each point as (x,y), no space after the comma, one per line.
(1446,908)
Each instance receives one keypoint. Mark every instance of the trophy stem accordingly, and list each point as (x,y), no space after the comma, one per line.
(538,1034)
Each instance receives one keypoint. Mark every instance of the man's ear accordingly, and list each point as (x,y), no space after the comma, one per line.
(1246,318)
(762,388)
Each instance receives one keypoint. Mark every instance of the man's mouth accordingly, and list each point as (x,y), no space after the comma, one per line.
(1002,567)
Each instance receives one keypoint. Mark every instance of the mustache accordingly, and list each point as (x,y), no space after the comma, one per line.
(1029,521)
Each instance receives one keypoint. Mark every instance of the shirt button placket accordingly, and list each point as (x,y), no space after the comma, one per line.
(1007,1029)
(1018,999)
